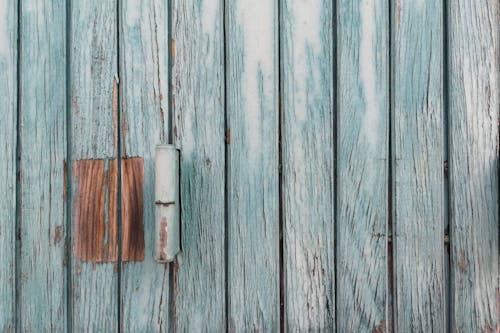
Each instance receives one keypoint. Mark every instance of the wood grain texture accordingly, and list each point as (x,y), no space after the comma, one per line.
(308,168)
(95,221)
(198,99)
(418,165)
(132,205)
(474,65)
(8,142)
(94,128)
(42,219)
(362,199)
(253,197)
(144,123)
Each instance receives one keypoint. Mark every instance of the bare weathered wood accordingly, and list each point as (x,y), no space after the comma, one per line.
(144,90)
(474,92)
(198,100)
(418,164)
(94,134)
(42,185)
(253,183)
(362,182)
(307,161)
(8,142)
(132,207)
(95,223)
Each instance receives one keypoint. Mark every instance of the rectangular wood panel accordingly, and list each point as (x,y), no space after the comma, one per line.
(144,89)
(307,48)
(198,100)
(94,135)
(252,79)
(474,67)
(362,181)
(418,164)
(8,142)
(42,133)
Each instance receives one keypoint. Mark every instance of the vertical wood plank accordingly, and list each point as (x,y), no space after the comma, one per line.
(144,109)
(308,154)
(253,217)
(474,60)
(198,99)
(42,290)
(94,111)
(418,179)
(363,118)
(8,142)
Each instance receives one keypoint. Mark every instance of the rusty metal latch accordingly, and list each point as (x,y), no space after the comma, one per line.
(167,204)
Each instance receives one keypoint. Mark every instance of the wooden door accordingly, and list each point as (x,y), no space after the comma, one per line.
(339,165)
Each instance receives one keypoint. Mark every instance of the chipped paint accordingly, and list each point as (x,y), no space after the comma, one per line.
(368,72)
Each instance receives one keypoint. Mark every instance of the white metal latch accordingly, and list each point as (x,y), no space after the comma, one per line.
(167,203)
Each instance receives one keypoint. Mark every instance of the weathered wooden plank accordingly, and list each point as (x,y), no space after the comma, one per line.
(144,123)
(253,197)
(8,142)
(42,220)
(362,199)
(474,65)
(198,99)
(418,179)
(94,133)
(308,154)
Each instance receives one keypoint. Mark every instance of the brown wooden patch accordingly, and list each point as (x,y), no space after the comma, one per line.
(132,172)
(95,210)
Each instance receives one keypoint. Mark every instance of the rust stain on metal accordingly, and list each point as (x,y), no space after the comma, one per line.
(132,174)
(58,234)
(228,136)
(95,210)
(163,239)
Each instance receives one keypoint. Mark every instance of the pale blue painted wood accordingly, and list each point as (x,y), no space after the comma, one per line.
(93,75)
(253,198)
(418,164)
(144,90)
(474,92)
(308,126)
(8,140)
(363,142)
(198,100)
(42,131)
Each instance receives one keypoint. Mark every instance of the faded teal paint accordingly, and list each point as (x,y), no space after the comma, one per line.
(42,131)
(474,92)
(93,64)
(144,90)
(362,177)
(418,165)
(308,131)
(319,243)
(198,100)
(253,193)
(8,142)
